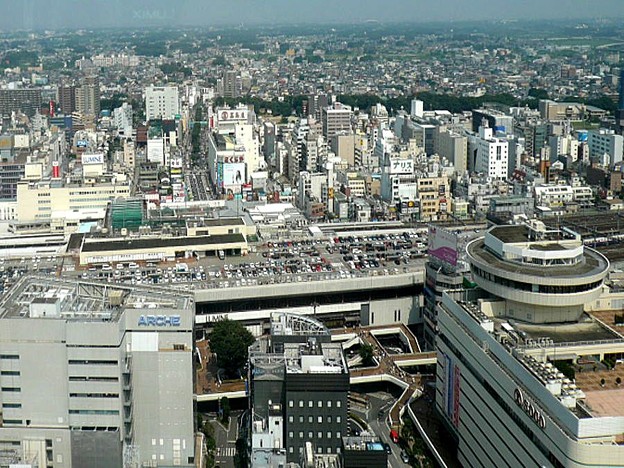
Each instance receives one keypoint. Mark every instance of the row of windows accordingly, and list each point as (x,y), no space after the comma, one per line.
(11,405)
(94,395)
(93,362)
(81,378)
(319,404)
(535,288)
(319,435)
(94,411)
(11,389)
(319,419)
(96,192)
(14,373)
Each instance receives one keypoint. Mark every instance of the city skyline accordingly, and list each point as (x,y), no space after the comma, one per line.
(36,14)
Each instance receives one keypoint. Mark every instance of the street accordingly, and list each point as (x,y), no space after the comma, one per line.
(226,441)
(377,416)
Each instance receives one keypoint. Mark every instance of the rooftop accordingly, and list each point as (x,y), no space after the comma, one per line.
(159,242)
(593,264)
(45,297)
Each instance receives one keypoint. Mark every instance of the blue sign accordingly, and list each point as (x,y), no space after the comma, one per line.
(159,321)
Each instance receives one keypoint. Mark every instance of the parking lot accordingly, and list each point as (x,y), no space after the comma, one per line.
(286,261)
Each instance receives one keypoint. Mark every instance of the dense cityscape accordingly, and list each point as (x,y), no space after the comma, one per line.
(366,244)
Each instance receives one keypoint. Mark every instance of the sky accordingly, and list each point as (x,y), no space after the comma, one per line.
(55,14)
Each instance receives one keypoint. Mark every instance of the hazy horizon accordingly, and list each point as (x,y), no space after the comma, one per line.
(41,14)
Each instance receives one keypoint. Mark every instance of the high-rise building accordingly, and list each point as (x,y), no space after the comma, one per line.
(66,99)
(122,118)
(491,154)
(299,384)
(417,108)
(121,363)
(27,101)
(232,84)
(521,356)
(605,146)
(88,97)
(336,119)
(161,102)
(454,147)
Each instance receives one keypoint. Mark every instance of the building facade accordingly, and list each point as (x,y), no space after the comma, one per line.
(301,378)
(123,375)
(501,348)
(161,102)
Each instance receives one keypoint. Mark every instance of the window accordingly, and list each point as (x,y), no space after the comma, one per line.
(10,372)
(310,435)
(329,419)
(328,436)
(291,404)
(310,404)
(300,403)
(319,435)
(338,419)
(338,435)
(291,419)
(11,389)
(99,412)
(291,434)
(319,420)
(329,403)
(11,405)
(338,404)
(9,356)
(301,419)
(310,419)
(320,404)
(301,434)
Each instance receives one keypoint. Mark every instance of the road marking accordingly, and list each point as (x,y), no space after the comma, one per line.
(226,452)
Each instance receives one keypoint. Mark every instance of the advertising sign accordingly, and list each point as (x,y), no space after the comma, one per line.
(401,166)
(233,114)
(443,245)
(233,174)
(93,158)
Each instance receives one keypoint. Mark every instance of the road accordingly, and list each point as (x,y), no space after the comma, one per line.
(377,417)
(226,441)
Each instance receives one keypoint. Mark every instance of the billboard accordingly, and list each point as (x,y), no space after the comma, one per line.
(401,166)
(93,158)
(233,174)
(443,245)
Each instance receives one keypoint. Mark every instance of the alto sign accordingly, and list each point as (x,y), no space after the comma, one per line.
(159,321)
(529,408)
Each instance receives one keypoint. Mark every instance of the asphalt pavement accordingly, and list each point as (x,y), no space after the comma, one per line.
(226,441)
(377,417)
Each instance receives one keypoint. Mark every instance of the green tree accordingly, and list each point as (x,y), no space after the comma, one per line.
(230,340)
(241,459)
(366,353)
(538,93)
(224,403)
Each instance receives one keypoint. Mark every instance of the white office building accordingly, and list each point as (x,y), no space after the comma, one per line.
(95,375)
(605,146)
(492,154)
(161,102)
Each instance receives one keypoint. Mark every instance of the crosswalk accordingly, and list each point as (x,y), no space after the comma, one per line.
(226,451)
